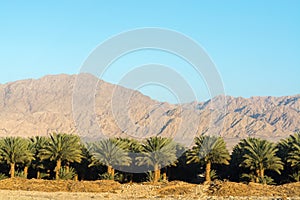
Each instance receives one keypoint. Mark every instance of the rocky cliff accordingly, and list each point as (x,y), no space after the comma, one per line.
(37,107)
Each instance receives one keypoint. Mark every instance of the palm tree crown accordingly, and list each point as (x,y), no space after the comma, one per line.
(157,152)
(294,152)
(110,152)
(15,150)
(208,150)
(62,147)
(38,143)
(259,155)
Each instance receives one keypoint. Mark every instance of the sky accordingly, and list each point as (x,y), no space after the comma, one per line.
(255,45)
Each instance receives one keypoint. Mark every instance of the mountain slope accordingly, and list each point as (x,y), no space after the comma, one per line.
(37,107)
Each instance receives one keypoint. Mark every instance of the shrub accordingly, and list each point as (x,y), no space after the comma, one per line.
(65,174)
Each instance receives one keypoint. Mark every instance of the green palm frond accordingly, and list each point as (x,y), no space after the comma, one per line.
(157,151)
(209,148)
(15,150)
(65,147)
(110,152)
(258,155)
(294,151)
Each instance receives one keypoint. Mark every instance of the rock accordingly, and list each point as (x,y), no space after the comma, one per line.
(42,106)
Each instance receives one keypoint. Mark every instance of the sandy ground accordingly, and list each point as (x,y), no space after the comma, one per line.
(23,189)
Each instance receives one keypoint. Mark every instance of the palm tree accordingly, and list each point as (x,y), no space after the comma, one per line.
(38,143)
(29,157)
(14,150)
(157,152)
(62,148)
(110,152)
(289,152)
(134,148)
(208,150)
(258,156)
(180,149)
(294,152)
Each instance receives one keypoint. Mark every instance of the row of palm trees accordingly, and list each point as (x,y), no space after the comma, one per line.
(252,159)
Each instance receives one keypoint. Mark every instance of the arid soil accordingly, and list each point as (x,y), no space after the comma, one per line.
(253,189)
(44,189)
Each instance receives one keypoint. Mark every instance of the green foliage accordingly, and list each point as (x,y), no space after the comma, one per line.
(117,177)
(150,177)
(106,176)
(67,174)
(258,155)
(14,150)
(295,176)
(157,151)
(294,151)
(3,176)
(64,147)
(213,175)
(44,175)
(289,150)
(209,149)
(252,177)
(20,174)
(130,145)
(37,144)
(110,152)
(252,159)
(266,180)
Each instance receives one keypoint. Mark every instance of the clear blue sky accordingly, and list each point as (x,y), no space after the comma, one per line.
(254,44)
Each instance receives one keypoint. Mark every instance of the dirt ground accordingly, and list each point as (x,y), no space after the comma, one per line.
(219,188)
(49,189)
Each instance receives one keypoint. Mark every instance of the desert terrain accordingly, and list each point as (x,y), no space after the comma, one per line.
(34,189)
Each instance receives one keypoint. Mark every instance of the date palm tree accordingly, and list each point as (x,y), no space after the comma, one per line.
(157,152)
(110,152)
(29,157)
(38,143)
(294,152)
(62,148)
(258,156)
(208,150)
(133,147)
(14,150)
(289,152)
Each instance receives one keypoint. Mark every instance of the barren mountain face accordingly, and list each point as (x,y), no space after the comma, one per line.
(66,103)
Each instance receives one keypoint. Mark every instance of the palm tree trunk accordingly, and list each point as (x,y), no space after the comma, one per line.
(262,173)
(131,177)
(76,177)
(25,171)
(207,172)
(38,174)
(57,168)
(110,170)
(67,167)
(257,176)
(165,174)
(156,173)
(12,170)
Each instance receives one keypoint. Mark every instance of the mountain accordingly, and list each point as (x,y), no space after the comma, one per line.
(72,104)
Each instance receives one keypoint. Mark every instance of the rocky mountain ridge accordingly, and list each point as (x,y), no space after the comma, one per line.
(38,107)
